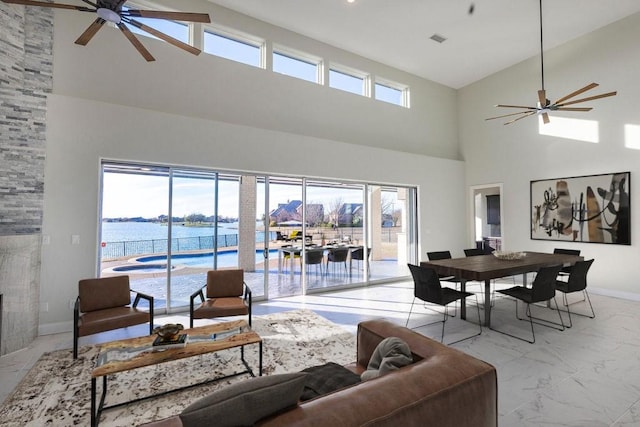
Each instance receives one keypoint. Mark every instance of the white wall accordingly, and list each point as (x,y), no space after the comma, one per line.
(205,111)
(81,132)
(516,154)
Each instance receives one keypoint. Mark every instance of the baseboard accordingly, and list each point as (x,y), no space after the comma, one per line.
(632,296)
(55,328)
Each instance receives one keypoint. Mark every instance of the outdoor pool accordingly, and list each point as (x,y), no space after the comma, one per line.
(203,260)
(142,268)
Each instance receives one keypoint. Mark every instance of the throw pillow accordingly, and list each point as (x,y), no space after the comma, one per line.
(326,378)
(244,403)
(392,353)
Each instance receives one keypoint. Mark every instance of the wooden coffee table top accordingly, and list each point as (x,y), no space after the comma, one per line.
(123,355)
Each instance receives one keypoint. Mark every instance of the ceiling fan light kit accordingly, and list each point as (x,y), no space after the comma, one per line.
(112,11)
(544,106)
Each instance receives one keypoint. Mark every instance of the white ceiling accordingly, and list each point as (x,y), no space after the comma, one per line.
(498,34)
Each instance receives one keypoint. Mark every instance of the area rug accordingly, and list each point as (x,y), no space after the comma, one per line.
(57,390)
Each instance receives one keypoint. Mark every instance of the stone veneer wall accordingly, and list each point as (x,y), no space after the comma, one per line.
(26,77)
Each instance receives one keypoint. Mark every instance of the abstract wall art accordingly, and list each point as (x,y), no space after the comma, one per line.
(593,209)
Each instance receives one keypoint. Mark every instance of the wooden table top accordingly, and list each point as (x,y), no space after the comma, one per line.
(486,267)
(124,355)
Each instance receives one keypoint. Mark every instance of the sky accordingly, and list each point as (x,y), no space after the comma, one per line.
(129,195)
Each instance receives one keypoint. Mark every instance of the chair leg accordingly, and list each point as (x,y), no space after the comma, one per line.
(515,336)
(567,304)
(75,342)
(410,310)
(547,323)
(471,336)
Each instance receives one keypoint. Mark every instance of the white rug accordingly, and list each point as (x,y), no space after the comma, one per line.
(57,390)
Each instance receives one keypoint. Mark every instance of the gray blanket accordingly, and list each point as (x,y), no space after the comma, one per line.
(392,353)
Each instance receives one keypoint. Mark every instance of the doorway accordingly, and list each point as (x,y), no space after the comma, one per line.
(486,216)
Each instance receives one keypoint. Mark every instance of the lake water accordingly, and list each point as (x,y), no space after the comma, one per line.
(134,231)
(122,239)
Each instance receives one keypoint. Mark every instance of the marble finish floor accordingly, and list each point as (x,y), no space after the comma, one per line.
(584,376)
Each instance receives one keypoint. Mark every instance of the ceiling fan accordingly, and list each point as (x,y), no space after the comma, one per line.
(112,11)
(544,105)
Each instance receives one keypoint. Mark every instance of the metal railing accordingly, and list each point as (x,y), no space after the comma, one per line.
(139,247)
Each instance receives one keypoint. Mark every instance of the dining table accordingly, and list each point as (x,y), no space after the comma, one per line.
(484,268)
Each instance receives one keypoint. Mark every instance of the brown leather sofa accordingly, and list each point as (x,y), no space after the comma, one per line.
(443,387)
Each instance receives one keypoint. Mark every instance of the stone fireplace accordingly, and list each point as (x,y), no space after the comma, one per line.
(26,72)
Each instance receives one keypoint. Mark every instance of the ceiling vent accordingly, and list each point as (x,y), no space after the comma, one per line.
(437,38)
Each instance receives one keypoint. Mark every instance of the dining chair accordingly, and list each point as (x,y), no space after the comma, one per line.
(289,257)
(474,252)
(427,288)
(314,257)
(337,255)
(577,282)
(542,289)
(566,271)
(358,255)
(438,255)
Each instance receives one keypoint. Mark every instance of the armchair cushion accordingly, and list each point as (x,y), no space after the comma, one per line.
(108,319)
(244,403)
(225,283)
(106,292)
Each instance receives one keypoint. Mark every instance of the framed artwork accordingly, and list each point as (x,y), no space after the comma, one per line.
(592,209)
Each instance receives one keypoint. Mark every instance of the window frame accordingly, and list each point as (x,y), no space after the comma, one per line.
(237,37)
(297,55)
(352,72)
(402,88)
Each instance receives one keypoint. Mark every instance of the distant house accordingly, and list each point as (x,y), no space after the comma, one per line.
(290,211)
(350,214)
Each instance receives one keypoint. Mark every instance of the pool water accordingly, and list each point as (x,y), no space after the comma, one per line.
(203,260)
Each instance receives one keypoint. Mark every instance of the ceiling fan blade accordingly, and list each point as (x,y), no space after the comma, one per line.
(135,42)
(162,36)
(507,115)
(515,106)
(520,118)
(52,5)
(90,32)
(542,98)
(577,92)
(173,16)
(590,98)
(545,118)
(574,109)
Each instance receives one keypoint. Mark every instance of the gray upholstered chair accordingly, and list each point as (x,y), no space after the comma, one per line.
(104,304)
(226,295)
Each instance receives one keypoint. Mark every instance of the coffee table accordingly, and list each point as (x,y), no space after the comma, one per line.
(133,353)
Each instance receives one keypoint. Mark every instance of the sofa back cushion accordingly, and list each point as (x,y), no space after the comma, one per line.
(105,292)
(245,402)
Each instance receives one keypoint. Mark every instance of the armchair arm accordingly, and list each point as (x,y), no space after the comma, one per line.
(148,298)
(247,299)
(191,300)
(246,295)
(140,295)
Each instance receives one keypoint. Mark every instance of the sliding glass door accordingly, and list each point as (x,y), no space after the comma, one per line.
(165,227)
